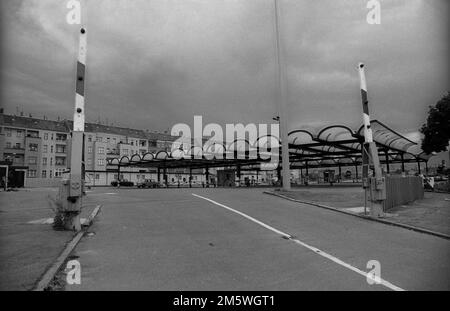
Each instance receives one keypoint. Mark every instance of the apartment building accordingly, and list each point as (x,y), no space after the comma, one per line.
(39,147)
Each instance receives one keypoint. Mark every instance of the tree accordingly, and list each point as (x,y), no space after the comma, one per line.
(437,129)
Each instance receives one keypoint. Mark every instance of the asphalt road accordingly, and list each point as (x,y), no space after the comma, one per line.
(234,239)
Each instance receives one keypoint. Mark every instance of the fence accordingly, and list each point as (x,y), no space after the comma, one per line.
(402,190)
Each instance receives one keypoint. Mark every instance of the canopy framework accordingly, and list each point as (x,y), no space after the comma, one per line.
(331,146)
(339,145)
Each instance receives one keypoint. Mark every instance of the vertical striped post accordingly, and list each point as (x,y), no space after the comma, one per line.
(368,137)
(370,155)
(78,117)
(76,169)
(76,187)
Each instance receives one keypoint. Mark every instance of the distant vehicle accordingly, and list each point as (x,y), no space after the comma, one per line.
(122,183)
(148,184)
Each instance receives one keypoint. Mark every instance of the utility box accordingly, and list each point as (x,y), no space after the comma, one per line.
(378,189)
(69,203)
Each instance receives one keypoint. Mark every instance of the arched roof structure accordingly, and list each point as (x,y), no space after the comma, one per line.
(333,145)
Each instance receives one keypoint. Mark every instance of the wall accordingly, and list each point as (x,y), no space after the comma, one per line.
(42,182)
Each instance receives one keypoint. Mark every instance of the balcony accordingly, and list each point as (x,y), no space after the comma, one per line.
(15,149)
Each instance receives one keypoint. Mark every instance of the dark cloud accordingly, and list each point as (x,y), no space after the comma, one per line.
(152,64)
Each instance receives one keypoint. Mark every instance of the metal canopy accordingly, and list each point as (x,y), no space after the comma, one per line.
(330,146)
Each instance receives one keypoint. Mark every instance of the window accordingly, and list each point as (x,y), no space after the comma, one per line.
(107,139)
(60,161)
(19,134)
(101,150)
(51,174)
(33,147)
(90,149)
(89,161)
(44,174)
(51,149)
(52,136)
(8,132)
(51,161)
(89,138)
(17,145)
(32,160)
(46,136)
(32,134)
(31,173)
(45,149)
(99,139)
(60,149)
(61,137)
(44,161)
(8,144)
(59,172)
(101,161)
(97,176)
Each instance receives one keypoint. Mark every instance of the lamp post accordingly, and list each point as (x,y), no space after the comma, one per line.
(282,103)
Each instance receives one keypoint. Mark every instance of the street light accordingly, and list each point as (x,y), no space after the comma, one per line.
(282,118)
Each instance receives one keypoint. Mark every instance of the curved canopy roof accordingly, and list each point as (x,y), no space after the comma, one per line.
(328,146)
(342,144)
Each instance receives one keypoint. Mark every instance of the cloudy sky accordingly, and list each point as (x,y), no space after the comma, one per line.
(154,63)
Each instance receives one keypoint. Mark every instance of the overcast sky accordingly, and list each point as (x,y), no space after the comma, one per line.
(154,63)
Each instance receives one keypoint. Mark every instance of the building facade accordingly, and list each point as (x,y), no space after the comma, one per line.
(41,147)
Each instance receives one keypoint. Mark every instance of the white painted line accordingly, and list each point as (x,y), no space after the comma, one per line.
(42,221)
(312,248)
(49,221)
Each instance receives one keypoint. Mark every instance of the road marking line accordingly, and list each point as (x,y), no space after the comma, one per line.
(49,221)
(312,248)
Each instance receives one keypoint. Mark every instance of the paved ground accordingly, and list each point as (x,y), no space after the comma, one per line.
(26,250)
(432,213)
(161,239)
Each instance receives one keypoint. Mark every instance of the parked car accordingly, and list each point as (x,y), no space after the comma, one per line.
(148,184)
(122,183)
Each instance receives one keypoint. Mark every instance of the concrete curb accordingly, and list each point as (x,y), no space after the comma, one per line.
(48,276)
(384,221)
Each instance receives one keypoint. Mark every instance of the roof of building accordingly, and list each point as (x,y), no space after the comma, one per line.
(65,126)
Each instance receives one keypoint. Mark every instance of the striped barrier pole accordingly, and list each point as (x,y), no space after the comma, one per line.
(74,188)
(368,136)
(375,185)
